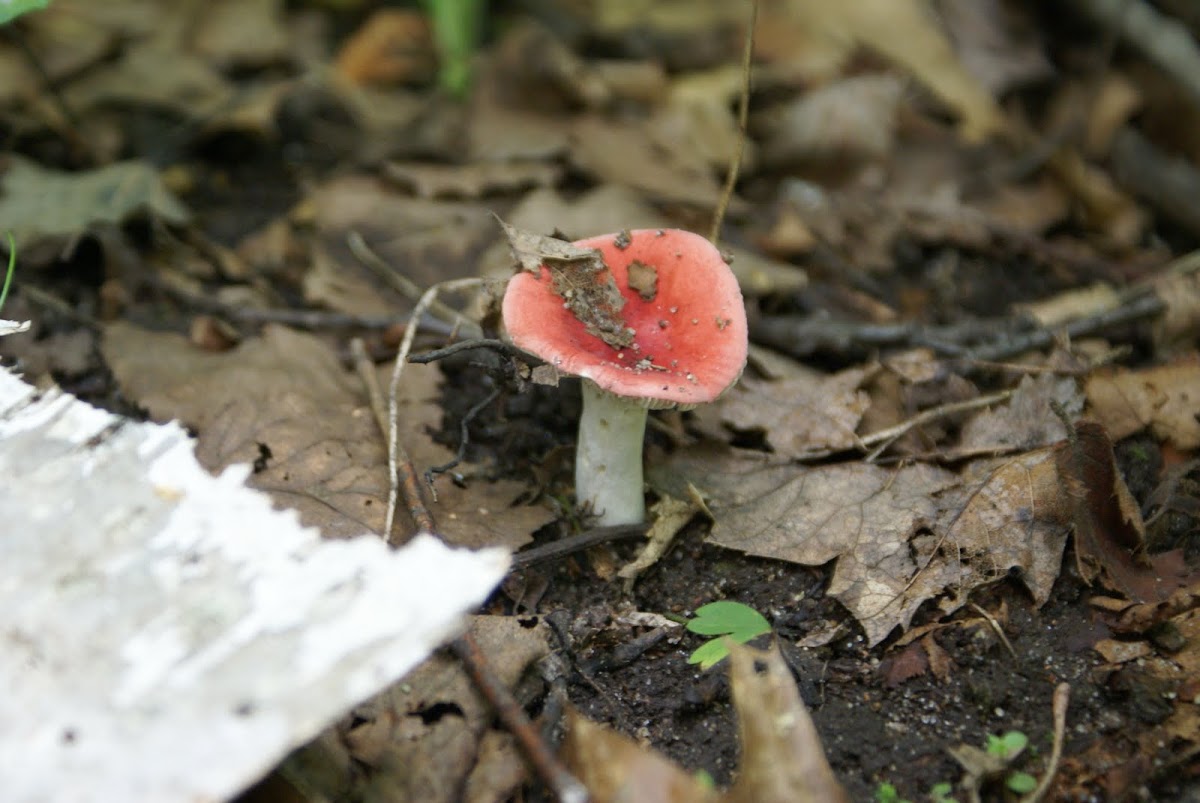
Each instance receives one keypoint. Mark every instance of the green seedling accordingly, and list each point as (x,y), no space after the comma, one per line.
(940,793)
(724,619)
(886,793)
(456,28)
(12,263)
(11,9)
(1007,748)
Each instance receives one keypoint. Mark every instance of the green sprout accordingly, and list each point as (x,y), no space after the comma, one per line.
(1007,748)
(886,793)
(724,619)
(940,793)
(456,29)
(12,263)
(11,9)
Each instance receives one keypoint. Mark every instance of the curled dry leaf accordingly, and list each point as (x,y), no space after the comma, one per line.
(424,738)
(801,414)
(905,32)
(1164,398)
(916,533)
(1027,420)
(283,402)
(614,768)
(782,757)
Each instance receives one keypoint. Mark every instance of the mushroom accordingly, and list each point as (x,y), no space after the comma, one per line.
(686,325)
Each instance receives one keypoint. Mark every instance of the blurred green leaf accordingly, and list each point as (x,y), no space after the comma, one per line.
(11,9)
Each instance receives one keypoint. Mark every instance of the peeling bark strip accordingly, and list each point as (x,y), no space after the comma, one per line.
(146,615)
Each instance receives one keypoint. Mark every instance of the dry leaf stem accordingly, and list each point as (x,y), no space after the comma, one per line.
(735,165)
(409,485)
(410,334)
(1062,694)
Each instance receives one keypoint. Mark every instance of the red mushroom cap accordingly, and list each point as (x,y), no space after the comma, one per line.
(689,342)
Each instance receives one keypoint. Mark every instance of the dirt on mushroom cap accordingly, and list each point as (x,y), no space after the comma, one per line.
(689,337)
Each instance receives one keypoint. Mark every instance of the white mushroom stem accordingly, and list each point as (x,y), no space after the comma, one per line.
(608,457)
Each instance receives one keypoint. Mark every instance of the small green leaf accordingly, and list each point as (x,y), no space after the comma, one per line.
(940,793)
(709,653)
(1008,746)
(11,9)
(727,618)
(12,263)
(724,619)
(1021,782)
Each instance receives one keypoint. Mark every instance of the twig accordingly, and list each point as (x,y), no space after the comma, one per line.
(73,127)
(1140,308)
(506,349)
(1159,38)
(884,437)
(1062,694)
(464,437)
(568,545)
(409,486)
(564,785)
(743,114)
(410,333)
(299,318)
(999,631)
(406,287)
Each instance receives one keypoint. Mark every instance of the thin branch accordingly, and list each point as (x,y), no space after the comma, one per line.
(569,545)
(564,785)
(506,349)
(996,628)
(1062,694)
(410,333)
(464,437)
(743,115)
(406,287)
(410,488)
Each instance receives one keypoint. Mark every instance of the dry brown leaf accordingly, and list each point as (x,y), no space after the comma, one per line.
(422,738)
(471,181)
(499,134)
(427,241)
(283,403)
(998,43)
(1025,421)
(847,122)
(783,760)
(615,769)
(345,288)
(1109,533)
(802,414)
(392,46)
(908,34)
(626,153)
(908,535)
(1175,329)
(1075,303)
(241,33)
(862,515)
(1165,399)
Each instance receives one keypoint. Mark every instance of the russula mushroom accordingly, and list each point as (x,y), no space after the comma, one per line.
(686,328)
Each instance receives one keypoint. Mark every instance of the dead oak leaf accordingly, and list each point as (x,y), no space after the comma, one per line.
(801,414)
(1109,532)
(1165,399)
(411,752)
(282,402)
(1027,420)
